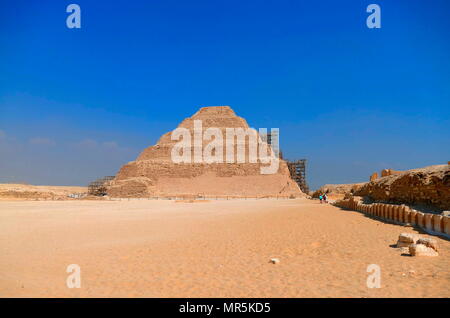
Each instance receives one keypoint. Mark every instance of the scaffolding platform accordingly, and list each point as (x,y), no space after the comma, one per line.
(99,187)
(297,170)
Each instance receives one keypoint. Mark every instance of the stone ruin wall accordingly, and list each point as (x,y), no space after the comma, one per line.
(401,214)
(428,186)
(389,172)
(384,173)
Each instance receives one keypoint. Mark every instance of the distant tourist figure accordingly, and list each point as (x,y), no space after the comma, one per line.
(320,198)
(325,198)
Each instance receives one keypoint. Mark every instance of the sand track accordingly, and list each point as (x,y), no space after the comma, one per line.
(214,249)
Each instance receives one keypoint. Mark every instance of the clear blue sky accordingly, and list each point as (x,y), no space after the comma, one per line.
(76,104)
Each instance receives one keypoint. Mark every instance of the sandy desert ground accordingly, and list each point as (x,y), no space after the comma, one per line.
(10,191)
(152,248)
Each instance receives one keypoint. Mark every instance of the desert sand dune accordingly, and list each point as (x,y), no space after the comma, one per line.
(215,249)
(10,191)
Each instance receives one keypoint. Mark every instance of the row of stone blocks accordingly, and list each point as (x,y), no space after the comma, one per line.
(436,223)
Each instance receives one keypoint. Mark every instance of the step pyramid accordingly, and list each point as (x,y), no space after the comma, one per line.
(155,174)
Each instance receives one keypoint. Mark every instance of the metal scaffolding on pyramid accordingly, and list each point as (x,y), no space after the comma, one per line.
(298,173)
(297,168)
(99,186)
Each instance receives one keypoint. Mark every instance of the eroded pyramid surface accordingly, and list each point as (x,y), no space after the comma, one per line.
(154,173)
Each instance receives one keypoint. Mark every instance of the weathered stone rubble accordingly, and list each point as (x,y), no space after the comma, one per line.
(406,239)
(422,250)
(417,246)
(428,186)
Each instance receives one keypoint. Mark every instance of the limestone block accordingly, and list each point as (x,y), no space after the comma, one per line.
(396,213)
(429,242)
(401,214)
(390,209)
(406,239)
(429,221)
(420,219)
(422,250)
(437,219)
(446,223)
(407,214)
(413,217)
(384,211)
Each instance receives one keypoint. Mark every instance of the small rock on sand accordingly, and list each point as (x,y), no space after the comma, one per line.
(421,250)
(406,239)
(274,260)
(429,242)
